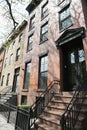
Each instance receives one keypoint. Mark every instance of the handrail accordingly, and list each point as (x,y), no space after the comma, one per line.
(45,91)
(70,116)
(47,95)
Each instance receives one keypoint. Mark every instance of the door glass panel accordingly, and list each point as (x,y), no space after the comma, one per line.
(81,56)
(72,57)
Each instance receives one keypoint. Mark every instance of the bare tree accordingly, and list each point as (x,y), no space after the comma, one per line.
(12,12)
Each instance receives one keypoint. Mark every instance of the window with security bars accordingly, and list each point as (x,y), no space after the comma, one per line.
(44,12)
(43,72)
(30,42)
(44,32)
(65,18)
(27,75)
(32,22)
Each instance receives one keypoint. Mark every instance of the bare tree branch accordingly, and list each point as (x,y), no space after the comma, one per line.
(11,14)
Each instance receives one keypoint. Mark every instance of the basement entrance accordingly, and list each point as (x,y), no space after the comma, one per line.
(73,66)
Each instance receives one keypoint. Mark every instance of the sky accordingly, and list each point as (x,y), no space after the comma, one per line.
(20,13)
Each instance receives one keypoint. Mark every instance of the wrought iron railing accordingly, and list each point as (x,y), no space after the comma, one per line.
(37,108)
(70,116)
(18,117)
(22,119)
(9,112)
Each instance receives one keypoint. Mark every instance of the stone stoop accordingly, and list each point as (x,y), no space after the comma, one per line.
(7,97)
(50,118)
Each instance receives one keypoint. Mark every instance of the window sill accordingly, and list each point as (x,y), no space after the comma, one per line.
(41,42)
(40,90)
(24,90)
(61,30)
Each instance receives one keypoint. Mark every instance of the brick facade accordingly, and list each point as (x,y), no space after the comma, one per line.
(39,49)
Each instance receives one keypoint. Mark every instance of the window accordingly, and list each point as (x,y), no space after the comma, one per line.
(44,32)
(27,75)
(30,41)
(65,18)
(8,76)
(32,22)
(44,10)
(43,72)
(20,37)
(13,44)
(2,80)
(24,100)
(11,59)
(17,54)
(5,62)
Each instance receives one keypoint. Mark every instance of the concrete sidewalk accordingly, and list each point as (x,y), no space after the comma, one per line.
(4,125)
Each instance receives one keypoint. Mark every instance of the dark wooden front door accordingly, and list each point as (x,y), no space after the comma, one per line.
(74,69)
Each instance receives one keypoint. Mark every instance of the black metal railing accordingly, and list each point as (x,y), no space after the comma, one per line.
(22,119)
(18,117)
(37,108)
(9,112)
(70,116)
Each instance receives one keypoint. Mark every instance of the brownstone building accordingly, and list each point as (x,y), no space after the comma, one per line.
(55,47)
(13,57)
(47,63)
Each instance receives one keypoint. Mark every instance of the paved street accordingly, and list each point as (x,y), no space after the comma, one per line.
(4,125)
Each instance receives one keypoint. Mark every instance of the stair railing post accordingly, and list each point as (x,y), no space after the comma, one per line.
(16,119)
(8,114)
(28,122)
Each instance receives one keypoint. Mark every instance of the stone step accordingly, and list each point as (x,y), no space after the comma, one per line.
(6,98)
(50,121)
(56,108)
(52,114)
(3,100)
(68,94)
(59,103)
(63,95)
(46,127)
(62,98)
